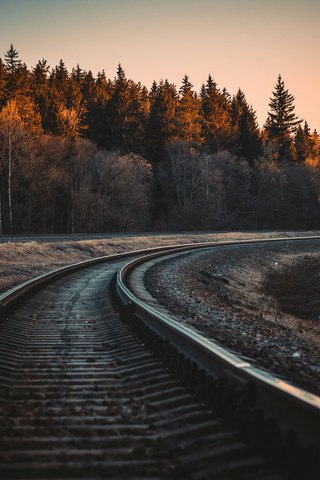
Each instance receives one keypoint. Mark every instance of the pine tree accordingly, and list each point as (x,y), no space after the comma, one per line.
(102,84)
(89,85)
(68,107)
(40,73)
(219,133)
(188,120)
(116,111)
(121,76)
(315,138)
(97,94)
(300,145)
(161,122)
(153,92)
(18,75)
(77,74)
(29,114)
(68,123)
(76,103)
(23,81)
(3,83)
(310,141)
(41,91)
(136,118)
(58,86)
(12,60)
(303,143)
(94,119)
(245,119)
(61,74)
(126,114)
(282,121)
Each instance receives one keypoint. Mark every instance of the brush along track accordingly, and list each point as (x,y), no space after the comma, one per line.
(81,397)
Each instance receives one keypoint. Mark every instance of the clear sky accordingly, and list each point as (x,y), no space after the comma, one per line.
(242,43)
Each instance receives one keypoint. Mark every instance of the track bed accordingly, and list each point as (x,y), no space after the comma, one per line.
(81,397)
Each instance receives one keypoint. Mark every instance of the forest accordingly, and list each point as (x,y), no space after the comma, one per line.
(80,153)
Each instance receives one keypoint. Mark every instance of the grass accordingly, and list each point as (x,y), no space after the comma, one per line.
(24,260)
(296,288)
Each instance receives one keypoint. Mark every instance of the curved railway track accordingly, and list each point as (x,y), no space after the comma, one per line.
(86,393)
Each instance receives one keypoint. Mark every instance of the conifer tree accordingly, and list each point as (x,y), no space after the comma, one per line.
(58,81)
(116,110)
(89,92)
(310,140)
(41,90)
(40,74)
(303,143)
(102,79)
(89,86)
(245,119)
(23,81)
(68,108)
(77,74)
(219,133)
(188,119)
(97,94)
(300,145)
(138,111)
(76,102)
(161,122)
(61,73)
(58,85)
(126,114)
(104,89)
(12,60)
(68,123)
(282,121)
(3,82)
(18,74)
(29,114)
(315,139)
(153,91)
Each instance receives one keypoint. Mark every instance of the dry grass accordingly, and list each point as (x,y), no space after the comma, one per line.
(296,288)
(21,261)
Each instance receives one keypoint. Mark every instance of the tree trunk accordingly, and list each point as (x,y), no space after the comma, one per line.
(0,210)
(2,160)
(9,182)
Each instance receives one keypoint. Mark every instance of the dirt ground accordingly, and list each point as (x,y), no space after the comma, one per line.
(261,302)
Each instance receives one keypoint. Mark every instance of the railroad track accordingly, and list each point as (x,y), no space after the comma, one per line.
(86,393)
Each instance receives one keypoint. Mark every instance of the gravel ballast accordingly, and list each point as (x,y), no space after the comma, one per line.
(230,296)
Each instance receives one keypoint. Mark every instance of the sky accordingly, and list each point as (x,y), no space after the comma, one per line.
(242,43)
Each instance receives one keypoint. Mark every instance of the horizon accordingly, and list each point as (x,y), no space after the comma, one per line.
(258,39)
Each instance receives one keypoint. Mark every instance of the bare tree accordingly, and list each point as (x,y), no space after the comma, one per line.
(123,184)
(12,135)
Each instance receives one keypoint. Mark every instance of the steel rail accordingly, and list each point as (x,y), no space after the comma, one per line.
(67,359)
(82,397)
(10,298)
(294,409)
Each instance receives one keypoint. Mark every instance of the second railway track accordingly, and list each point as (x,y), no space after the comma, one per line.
(81,396)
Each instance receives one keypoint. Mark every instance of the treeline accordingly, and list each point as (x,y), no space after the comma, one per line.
(79,153)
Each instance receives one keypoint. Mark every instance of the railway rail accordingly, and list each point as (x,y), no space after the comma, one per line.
(88,393)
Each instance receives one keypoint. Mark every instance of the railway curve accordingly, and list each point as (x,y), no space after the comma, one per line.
(83,394)
(288,415)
